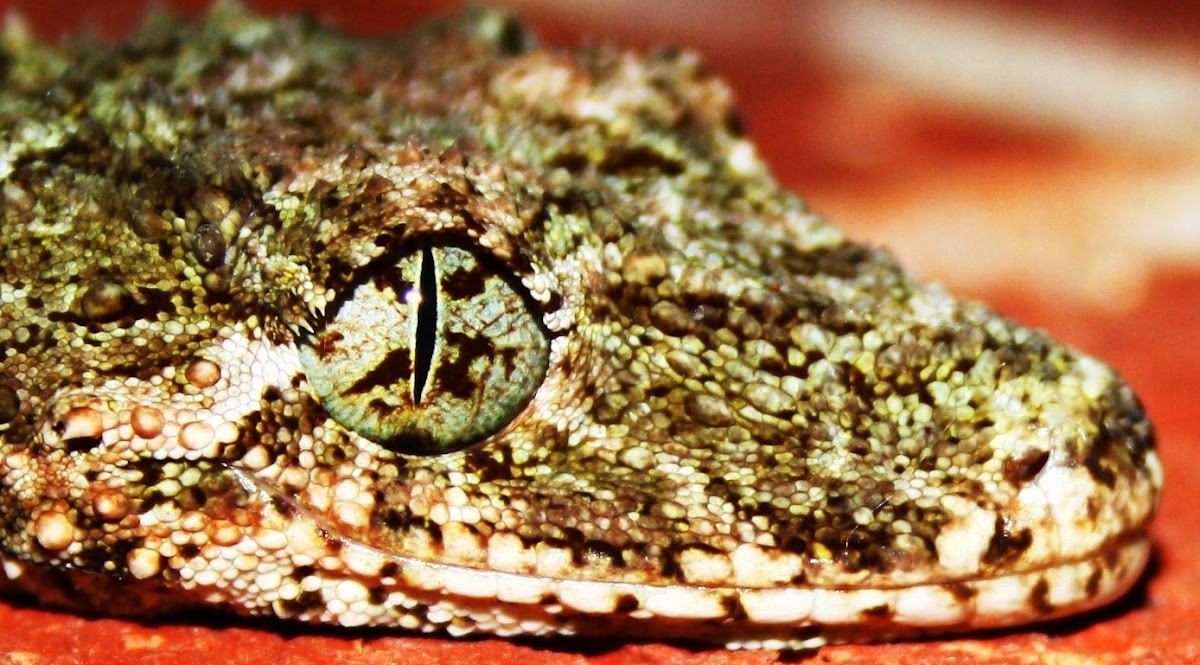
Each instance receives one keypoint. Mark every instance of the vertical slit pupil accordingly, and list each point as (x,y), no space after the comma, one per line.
(427,324)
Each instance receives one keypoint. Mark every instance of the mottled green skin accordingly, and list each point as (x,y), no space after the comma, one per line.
(723,367)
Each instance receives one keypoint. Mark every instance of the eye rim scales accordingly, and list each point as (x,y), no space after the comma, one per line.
(696,322)
(429,406)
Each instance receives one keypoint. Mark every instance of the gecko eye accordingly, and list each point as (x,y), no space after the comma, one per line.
(431,354)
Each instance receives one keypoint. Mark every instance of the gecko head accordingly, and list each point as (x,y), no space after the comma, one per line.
(529,343)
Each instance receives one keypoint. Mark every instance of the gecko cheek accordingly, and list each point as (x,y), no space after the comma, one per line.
(430,355)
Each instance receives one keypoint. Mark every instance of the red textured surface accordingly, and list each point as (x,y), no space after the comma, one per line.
(1153,343)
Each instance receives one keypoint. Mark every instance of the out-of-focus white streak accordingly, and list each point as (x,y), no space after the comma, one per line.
(1001,62)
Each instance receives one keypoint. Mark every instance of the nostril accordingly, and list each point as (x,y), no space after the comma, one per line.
(1023,468)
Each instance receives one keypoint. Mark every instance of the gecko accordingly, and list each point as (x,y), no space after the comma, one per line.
(452,332)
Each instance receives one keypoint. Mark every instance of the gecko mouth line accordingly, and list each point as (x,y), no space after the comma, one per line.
(1039,594)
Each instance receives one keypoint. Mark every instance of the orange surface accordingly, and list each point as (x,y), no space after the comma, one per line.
(1153,341)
